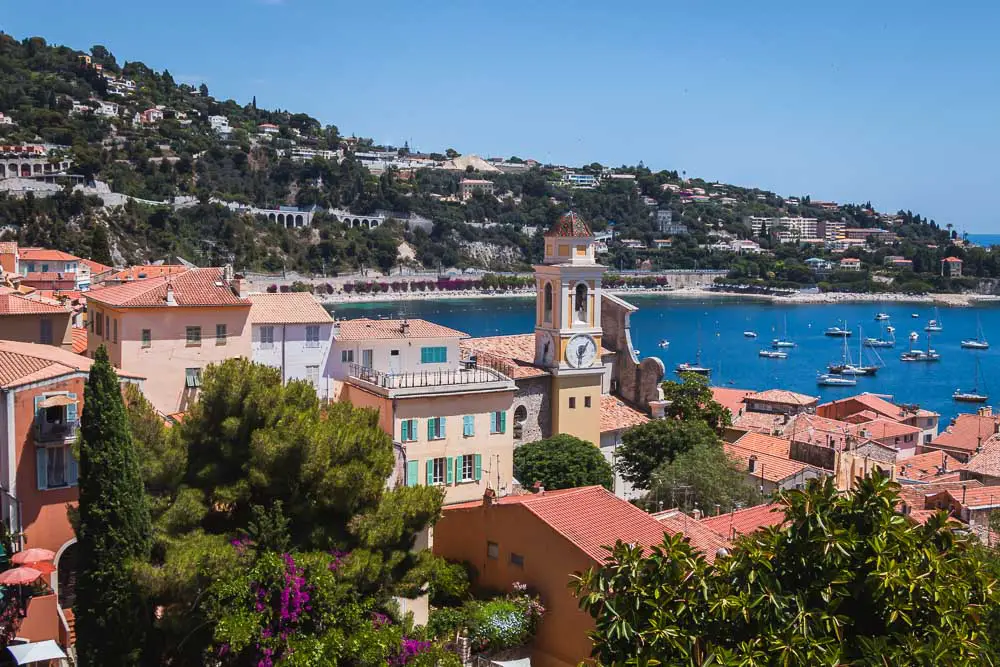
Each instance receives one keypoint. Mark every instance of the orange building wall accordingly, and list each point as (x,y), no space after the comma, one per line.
(549,560)
(41,621)
(28,328)
(8,262)
(581,421)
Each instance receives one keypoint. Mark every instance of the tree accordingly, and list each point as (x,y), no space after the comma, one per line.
(100,248)
(847,580)
(703,477)
(648,446)
(203,90)
(562,462)
(451,153)
(691,399)
(114,529)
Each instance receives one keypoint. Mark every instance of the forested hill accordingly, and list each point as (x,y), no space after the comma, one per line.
(88,106)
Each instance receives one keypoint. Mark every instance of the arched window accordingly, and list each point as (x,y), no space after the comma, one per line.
(520,414)
(547,303)
(580,306)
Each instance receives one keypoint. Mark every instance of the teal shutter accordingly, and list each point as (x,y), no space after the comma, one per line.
(468,426)
(430,472)
(72,473)
(430,429)
(71,412)
(450,469)
(411,473)
(458,469)
(441,427)
(503,422)
(479,467)
(41,463)
(404,430)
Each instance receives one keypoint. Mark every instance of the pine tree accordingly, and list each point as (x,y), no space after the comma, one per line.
(113,530)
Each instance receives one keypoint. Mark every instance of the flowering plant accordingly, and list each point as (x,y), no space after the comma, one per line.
(506,622)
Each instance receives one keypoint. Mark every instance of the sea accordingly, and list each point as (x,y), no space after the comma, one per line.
(712,330)
(985,240)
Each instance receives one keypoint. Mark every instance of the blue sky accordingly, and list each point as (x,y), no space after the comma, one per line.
(893,102)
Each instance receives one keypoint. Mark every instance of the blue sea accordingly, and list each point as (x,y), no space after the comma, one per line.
(985,240)
(716,326)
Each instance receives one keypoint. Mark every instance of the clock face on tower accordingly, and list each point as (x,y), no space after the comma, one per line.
(581,350)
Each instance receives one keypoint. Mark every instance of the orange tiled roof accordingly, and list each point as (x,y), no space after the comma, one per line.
(46,255)
(784,397)
(48,276)
(96,267)
(702,538)
(590,517)
(731,398)
(13,303)
(761,422)
(79,340)
(817,430)
(194,287)
(926,466)
(570,225)
(24,363)
(366,329)
(844,407)
(772,468)
(879,429)
(8,247)
(768,444)
(746,521)
(967,432)
(985,462)
(146,271)
(982,497)
(288,308)
(518,350)
(616,414)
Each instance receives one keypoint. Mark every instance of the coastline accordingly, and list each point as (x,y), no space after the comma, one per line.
(952,300)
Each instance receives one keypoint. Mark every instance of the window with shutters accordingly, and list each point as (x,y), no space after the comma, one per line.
(56,426)
(192,378)
(347,356)
(498,422)
(220,334)
(114,325)
(312,335)
(98,324)
(193,335)
(433,355)
(439,470)
(367,358)
(408,430)
(435,428)
(267,337)
(467,468)
(468,426)
(312,375)
(147,337)
(45,335)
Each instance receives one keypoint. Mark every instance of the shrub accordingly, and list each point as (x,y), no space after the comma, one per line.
(271,289)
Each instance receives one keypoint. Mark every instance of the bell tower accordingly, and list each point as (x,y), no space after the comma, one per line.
(568,326)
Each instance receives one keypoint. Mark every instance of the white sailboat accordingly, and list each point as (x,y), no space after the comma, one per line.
(784,340)
(935,324)
(887,338)
(979,342)
(974,395)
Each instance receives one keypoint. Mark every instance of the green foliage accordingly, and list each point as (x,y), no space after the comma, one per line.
(647,447)
(113,529)
(445,583)
(691,399)
(506,621)
(562,462)
(847,581)
(703,477)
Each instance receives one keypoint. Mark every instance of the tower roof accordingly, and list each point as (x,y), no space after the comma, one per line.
(570,225)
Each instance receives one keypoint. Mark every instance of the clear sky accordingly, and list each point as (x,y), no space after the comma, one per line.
(897,102)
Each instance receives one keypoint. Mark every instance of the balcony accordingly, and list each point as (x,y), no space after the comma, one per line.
(467,378)
(56,431)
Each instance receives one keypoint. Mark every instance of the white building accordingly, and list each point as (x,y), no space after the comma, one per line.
(786,228)
(469,187)
(219,125)
(666,225)
(268,128)
(106,109)
(6,120)
(580,181)
(300,154)
(293,333)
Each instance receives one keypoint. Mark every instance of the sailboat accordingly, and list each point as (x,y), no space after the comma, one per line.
(696,367)
(827,380)
(920,355)
(881,316)
(979,342)
(783,341)
(935,324)
(847,367)
(973,395)
(882,340)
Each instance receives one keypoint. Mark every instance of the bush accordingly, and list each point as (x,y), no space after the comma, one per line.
(445,622)
(499,624)
(271,289)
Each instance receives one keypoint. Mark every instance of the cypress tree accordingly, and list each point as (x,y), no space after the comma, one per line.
(114,528)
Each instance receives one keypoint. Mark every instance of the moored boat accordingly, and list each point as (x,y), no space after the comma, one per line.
(692,368)
(837,332)
(973,395)
(750,334)
(772,354)
(826,380)
(881,316)
(979,342)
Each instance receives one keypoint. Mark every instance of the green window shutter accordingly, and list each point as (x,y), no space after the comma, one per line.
(441,428)
(412,470)
(468,426)
(443,354)
(430,471)
(430,429)
(404,430)
(71,410)
(41,463)
(425,355)
(479,467)
(503,421)
(449,470)
(458,468)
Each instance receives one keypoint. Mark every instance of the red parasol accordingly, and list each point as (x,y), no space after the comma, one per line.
(19,576)
(34,555)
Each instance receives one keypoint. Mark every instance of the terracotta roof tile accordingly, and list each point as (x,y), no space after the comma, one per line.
(844,407)
(761,422)
(746,521)
(79,340)
(517,350)
(24,363)
(731,398)
(880,429)
(590,517)
(194,287)
(772,468)
(146,271)
(617,415)
(915,495)
(701,537)
(967,432)
(289,308)
(8,247)
(48,276)
(986,462)
(570,225)
(983,497)
(926,467)
(768,444)
(366,329)
(784,397)
(46,255)
(12,303)
(817,430)
(96,267)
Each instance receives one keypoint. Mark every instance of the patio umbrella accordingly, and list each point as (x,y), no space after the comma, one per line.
(19,576)
(33,556)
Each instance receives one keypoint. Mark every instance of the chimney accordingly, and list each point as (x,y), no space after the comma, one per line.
(336,329)
(696,514)
(539,489)
(170,295)
(944,463)
(227,272)
(963,494)
(489,497)
(405,327)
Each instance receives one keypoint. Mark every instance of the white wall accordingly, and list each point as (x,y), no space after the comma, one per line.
(610,441)
(409,354)
(291,353)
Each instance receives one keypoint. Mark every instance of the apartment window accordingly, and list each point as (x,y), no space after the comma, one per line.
(466,467)
(56,467)
(367,358)
(45,335)
(435,428)
(586,401)
(220,334)
(347,357)
(147,337)
(267,337)
(572,402)
(114,337)
(312,375)
(498,422)
(437,469)
(517,560)
(192,378)
(408,430)
(99,321)
(468,426)
(433,355)
(45,268)
(193,335)
(492,550)
(312,336)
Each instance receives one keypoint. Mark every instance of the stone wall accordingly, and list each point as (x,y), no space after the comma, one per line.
(533,395)
(815,455)
(635,382)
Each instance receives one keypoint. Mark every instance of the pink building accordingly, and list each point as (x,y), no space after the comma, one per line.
(169,328)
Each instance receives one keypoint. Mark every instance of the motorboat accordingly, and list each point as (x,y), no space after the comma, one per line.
(886,339)
(692,368)
(920,355)
(881,316)
(772,354)
(664,343)
(837,332)
(780,342)
(972,395)
(914,315)
(750,334)
(827,380)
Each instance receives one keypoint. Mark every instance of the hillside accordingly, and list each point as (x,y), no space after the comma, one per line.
(188,168)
